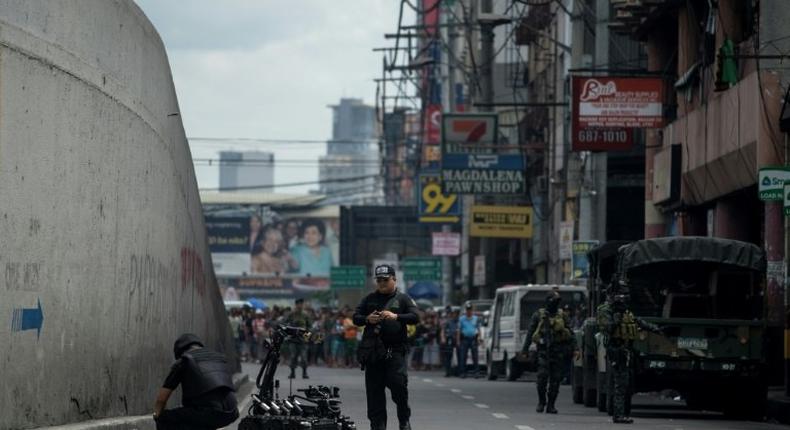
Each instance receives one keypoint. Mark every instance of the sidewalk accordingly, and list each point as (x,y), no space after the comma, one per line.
(778,406)
(145,422)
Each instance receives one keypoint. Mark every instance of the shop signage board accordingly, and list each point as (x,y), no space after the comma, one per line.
(771,182)
(513,222)
(471,161)
(787,198)
(422,268)
(446,243)
(348,277)
(434,205)
(479,273)
(566,239)
(580,265)
(607,109)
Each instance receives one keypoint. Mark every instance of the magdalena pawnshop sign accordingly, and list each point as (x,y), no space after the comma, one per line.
(607,109)
(472,162)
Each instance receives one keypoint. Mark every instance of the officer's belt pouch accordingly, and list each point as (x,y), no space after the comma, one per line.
(371,349)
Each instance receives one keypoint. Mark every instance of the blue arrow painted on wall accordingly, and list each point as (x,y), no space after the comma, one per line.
(28,319)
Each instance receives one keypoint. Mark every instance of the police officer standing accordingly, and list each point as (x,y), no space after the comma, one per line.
(298,349)
(620,328)
(467,338)
(209,400)
(387,312)
(549,330)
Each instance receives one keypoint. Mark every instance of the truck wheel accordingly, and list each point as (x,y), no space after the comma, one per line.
(492,371)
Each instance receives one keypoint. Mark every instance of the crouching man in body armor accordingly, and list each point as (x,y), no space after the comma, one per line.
(209,400)
(549,330)
(620,328)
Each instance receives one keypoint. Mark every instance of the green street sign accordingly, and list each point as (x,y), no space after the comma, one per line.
(422,268)
(771,182)
(348,277)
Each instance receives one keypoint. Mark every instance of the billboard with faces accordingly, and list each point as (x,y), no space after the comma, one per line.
(259,249)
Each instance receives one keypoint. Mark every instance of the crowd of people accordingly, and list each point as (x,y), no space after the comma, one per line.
(434,341)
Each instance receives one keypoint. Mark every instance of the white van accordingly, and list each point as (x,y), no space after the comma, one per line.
(509,322)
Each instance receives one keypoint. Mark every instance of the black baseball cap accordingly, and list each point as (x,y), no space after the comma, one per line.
(384,271)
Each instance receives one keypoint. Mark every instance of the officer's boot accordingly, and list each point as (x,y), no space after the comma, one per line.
(378,426)
(550,409)
(541,401)
(304,373)
(293,373)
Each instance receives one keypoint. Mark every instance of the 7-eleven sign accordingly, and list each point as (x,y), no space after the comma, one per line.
(469,129)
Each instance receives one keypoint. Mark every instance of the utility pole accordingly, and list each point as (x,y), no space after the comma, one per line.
(447,100)
(599,164)
(487,97)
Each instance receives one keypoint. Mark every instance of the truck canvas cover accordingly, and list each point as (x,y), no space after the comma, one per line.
(691,248)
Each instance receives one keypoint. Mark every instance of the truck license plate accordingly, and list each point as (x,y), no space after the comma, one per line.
(692,343)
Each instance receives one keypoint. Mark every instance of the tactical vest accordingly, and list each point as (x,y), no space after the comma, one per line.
(204,371)
(560,333)
(627,329)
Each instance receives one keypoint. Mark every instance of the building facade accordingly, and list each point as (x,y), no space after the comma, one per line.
(246,171)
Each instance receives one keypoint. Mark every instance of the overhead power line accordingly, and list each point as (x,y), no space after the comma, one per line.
(291,184)
(279,141)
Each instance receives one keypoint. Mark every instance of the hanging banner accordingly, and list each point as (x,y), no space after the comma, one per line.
(501,221)
(566,239)
(479,273)
(580,265)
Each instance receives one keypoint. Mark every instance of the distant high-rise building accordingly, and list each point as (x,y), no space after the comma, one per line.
(246,171)
(351,153)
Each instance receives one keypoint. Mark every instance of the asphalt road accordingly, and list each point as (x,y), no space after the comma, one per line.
(440,403)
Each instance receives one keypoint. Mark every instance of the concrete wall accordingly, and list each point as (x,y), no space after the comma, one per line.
(100,218)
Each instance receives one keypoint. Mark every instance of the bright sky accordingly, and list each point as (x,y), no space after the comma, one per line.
(269,69)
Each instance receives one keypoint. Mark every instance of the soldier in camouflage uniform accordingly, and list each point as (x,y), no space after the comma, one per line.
(620,328)
(298,349)
(549,329)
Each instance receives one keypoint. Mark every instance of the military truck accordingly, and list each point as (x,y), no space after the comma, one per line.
(707,294)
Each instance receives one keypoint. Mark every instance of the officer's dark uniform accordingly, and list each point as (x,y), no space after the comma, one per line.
(391,372)
(209,401)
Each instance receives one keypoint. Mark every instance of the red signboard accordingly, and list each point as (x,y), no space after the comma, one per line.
(606,110)
(431,16)
(445,243)
(433,125)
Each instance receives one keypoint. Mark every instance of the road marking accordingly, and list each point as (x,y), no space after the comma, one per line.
(501,416)
(468,397)
(440,385)
(427,380)
(481,406)
(524,428)
(455,390)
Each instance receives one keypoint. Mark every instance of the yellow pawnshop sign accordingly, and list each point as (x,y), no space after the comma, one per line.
(501,221)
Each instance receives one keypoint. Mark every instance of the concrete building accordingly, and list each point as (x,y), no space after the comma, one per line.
(246,170)
(719,132)
(351,153)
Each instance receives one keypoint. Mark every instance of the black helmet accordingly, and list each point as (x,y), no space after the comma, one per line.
(184,342)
